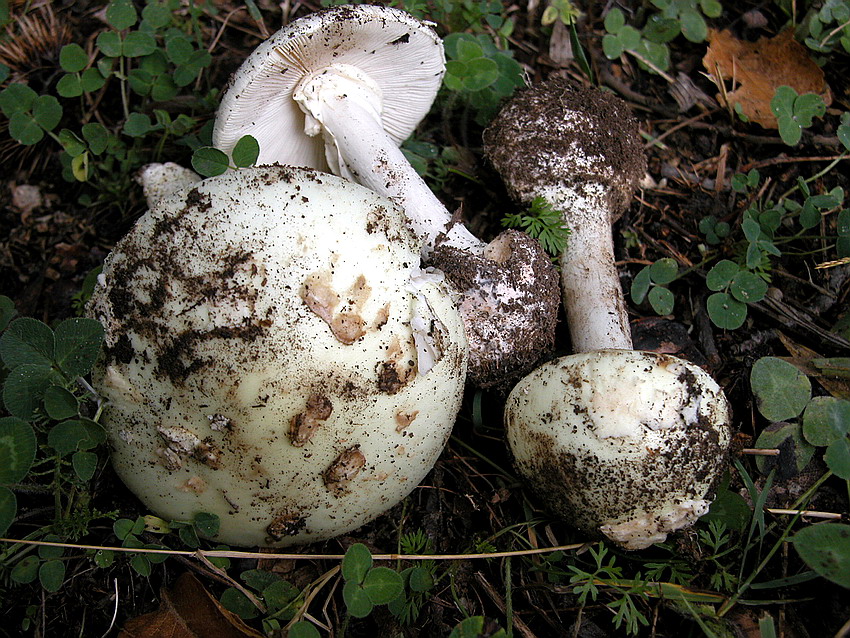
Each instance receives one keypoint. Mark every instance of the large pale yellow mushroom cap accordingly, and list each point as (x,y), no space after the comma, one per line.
(275,356)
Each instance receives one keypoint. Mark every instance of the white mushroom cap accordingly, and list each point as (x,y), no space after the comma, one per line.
(275,356)
(620,443)
(399,57)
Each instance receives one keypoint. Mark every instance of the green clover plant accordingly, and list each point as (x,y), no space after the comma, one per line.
(651,282)
(826,27)
(649,43)
(795,112)
(146,58)
(209,161)
(800,424)
(784,397)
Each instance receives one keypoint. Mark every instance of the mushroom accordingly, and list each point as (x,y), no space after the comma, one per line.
(275,355)
(158,181)
(621,443)
(341,89)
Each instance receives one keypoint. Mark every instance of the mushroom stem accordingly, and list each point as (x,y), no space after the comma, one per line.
(342,106)
(593,297)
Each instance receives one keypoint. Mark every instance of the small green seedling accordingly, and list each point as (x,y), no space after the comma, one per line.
(651,284)
(795,112)
(742,183)
(715,231)
(542,222)
(209,161)
(418,580)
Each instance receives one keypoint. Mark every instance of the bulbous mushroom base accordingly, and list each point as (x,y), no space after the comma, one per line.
(623,444)
(509,301)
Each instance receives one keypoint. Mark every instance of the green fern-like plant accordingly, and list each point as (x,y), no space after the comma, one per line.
(542,222)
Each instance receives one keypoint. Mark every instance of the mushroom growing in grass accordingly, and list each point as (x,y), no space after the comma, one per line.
(341,89)
(623,443)
(275,355)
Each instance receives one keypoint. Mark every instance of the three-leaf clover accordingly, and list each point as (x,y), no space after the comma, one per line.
(795,112)
(365,585)
(650,284)
(735,287)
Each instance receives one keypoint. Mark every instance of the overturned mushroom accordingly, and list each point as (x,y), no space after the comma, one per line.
(341,89)
(626,444)
(235,382)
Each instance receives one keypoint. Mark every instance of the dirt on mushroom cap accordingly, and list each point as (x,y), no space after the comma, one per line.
(534,140)
(228,393)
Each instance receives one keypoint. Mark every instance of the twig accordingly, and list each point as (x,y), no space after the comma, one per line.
(199,554)
(678,126)
(222,553)
(521,627)
(809,513)
(784,159)
(760,452)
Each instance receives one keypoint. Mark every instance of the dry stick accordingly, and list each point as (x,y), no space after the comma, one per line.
(809,513)
(760,451)
(220,553)
(315,587)
(788,160)
(233,583)
(832,264)
(678,126)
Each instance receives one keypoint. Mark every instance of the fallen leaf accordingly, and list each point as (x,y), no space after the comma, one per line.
(802,358)
(187,610)
(758,68)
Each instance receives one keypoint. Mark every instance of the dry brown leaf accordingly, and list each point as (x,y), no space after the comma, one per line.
(187,610)
(801,357)
(758,68)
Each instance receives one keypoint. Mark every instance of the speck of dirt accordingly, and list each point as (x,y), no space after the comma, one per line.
(285,524)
